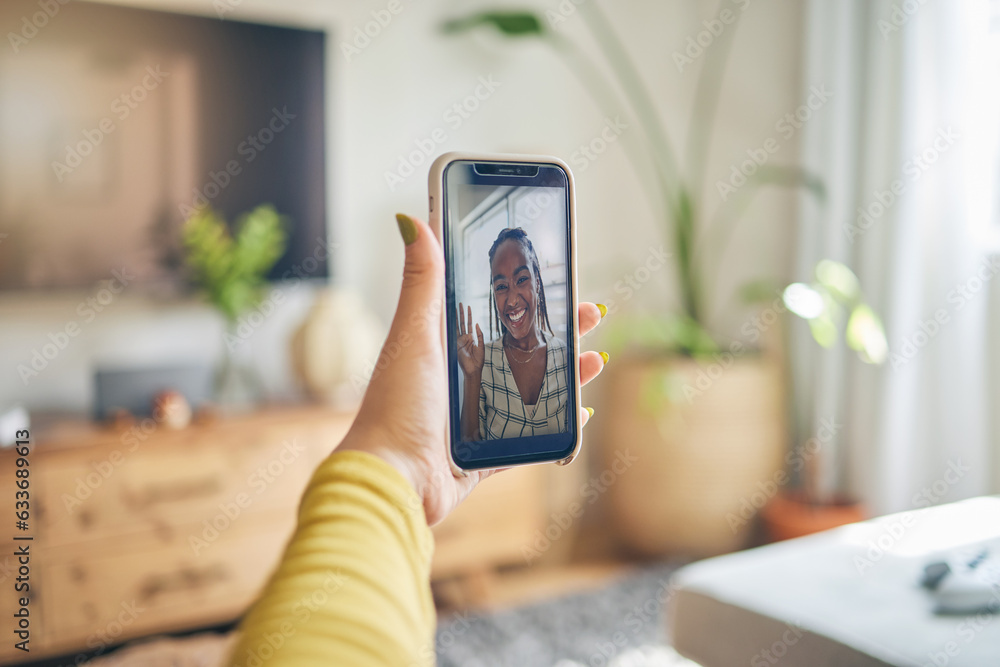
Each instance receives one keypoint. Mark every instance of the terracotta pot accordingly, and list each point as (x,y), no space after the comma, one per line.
(704,436)
(790,515)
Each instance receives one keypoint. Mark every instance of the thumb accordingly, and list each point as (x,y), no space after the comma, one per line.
(423,272)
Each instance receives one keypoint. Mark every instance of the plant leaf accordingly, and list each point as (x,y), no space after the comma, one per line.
(511,24)
(231,270)
(824,330)
(866,336)
(840,280)
(804,300)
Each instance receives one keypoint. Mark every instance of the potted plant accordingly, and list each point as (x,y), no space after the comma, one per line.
(231,269)
(798,503)
(706,418)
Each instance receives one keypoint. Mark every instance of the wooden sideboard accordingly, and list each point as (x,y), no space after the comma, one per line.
(138,532)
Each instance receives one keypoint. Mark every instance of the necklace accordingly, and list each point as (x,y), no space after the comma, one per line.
(530,356)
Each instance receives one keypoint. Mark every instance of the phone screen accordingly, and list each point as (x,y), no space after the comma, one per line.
(510,319)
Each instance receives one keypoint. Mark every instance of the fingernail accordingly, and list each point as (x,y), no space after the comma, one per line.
(407,228)
(605,356)
(604,309)
(590,411)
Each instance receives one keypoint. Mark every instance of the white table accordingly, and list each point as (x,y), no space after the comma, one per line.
(849,596)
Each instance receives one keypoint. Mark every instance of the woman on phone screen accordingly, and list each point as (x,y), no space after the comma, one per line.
(517,384)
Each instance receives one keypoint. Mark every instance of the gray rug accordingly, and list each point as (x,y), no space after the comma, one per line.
(621,625)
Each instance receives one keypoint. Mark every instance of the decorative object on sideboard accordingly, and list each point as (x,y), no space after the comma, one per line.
(123,394)
(172,409)
(335,348)
(231,269)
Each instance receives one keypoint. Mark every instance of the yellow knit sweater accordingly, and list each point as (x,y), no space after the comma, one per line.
(353,585)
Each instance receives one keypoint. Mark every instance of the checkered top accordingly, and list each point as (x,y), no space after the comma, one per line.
(502,413)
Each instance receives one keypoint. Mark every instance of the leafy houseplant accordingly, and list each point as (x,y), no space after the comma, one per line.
(831,303)
(747,397)
(231,269)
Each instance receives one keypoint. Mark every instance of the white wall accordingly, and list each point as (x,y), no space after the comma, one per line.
(397,91)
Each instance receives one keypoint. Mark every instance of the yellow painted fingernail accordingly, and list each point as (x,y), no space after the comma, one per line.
(407,228)
(605,356)
(590,411)
(604,309)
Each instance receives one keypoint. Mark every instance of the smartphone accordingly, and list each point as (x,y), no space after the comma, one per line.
(506,224)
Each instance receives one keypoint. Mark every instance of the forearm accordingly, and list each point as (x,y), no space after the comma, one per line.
(470,407)
(353,586)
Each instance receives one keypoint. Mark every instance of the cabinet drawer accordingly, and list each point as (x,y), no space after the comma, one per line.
(89,601)
(109,492)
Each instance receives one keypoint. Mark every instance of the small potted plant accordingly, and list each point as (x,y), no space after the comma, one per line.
(231,269)
(802,505)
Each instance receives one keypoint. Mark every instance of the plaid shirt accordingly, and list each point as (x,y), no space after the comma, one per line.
(502,413)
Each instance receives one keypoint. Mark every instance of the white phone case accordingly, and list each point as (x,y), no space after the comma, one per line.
(435,186)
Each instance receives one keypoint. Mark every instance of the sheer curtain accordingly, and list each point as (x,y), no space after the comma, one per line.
(907,150)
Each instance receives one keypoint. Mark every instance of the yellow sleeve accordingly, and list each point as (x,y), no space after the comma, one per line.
(353,587)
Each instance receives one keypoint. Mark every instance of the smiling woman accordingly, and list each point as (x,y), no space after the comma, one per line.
(515,385)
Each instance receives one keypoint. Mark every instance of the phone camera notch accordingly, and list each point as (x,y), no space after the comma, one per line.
(505,169)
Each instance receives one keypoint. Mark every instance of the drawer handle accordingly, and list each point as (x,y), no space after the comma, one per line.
(184,579)
(165,493)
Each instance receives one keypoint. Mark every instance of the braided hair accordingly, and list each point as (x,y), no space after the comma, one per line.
(519,235)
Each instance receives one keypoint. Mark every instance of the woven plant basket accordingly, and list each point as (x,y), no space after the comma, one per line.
(707,437)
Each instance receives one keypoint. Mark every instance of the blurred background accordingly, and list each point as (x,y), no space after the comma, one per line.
(791,210)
